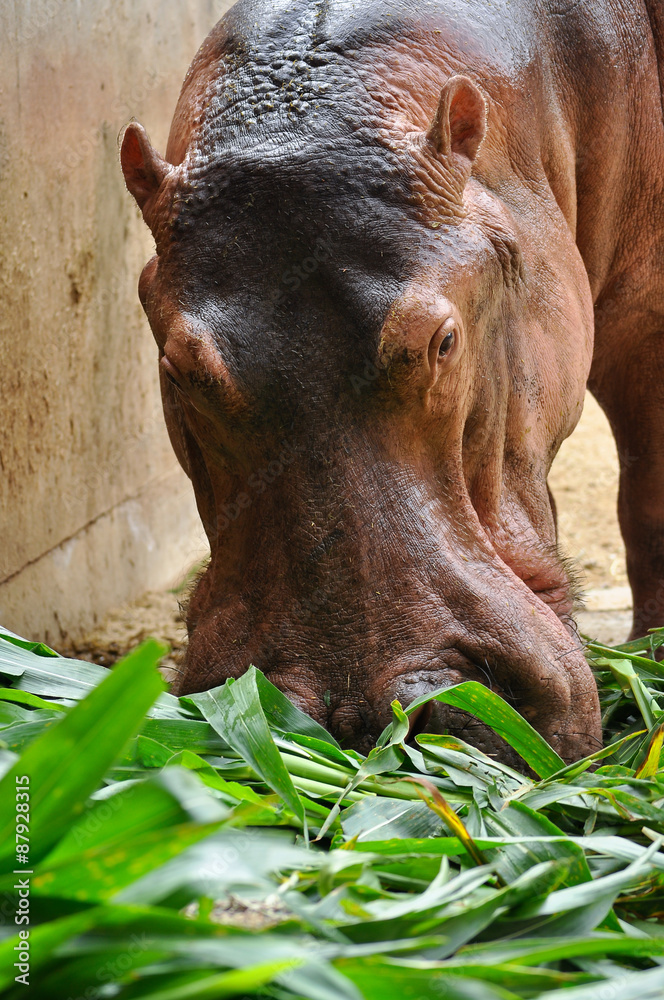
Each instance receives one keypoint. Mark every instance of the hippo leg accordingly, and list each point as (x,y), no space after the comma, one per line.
(629,386)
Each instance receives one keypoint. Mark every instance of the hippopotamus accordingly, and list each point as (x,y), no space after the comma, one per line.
(395,242)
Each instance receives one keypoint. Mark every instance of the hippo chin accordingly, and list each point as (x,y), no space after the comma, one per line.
(387,238)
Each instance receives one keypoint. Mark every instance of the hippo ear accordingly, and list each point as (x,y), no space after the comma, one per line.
(143,168)
(459,124)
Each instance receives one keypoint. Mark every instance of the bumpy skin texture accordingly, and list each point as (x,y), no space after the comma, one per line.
(381,232)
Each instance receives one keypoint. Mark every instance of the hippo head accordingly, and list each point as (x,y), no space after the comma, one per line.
(368,362)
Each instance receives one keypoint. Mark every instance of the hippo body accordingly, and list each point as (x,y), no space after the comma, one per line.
(395,242)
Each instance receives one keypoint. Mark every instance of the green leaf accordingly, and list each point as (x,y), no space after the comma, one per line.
(518,820)
(325,752)
(40,648)
(579,766)
(495,712)
(387,757)
(537,951)
(452,750)
(232,860)
(156,804)
(162,836)
(220,984)
(280,713)
(151,753)
(628,678)
(647,985)
(231,789)
(65,680)
(650,758)
(235,711)
(32,700)
(66,764)
(581,908)
(645,644)
(55,676)
(183,734)
(606,653)
(385,979)
(377,817)
(285,717)
(100,873)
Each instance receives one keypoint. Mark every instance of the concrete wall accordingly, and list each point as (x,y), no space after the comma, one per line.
(93,508)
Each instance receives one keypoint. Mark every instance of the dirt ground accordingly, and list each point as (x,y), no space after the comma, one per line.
(584,481)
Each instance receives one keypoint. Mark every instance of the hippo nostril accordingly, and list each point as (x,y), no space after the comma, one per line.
(346,721)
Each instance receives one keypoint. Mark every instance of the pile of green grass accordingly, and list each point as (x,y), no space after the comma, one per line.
(224,845)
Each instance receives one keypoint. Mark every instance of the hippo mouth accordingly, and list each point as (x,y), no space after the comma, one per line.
(435,717)
(344,664)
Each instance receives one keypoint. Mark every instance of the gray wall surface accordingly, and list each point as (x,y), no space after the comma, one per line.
(93,507)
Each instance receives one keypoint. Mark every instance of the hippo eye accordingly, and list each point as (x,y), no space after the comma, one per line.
(444,348)
(171,372)
(447,343)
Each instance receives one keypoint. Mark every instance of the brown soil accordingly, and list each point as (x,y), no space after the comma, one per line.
(157,614)
(584,481)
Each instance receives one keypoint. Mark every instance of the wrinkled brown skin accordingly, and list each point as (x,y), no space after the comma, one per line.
(494,171)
